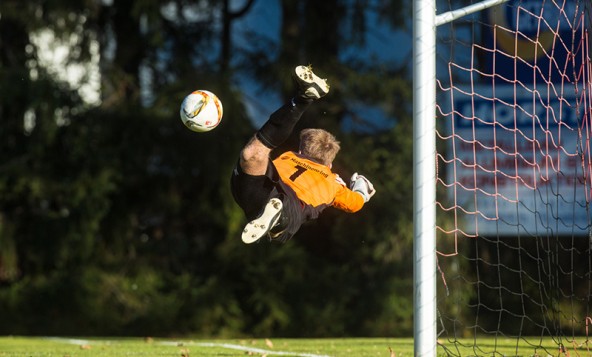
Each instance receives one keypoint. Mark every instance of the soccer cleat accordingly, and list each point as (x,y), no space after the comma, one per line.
(310,86)
(280,226)
(261,225)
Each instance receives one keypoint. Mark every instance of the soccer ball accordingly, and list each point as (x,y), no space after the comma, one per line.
(201,111)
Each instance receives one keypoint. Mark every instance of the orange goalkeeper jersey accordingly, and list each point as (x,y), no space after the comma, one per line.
(315,184)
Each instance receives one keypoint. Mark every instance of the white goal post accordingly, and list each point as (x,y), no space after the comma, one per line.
(425,23)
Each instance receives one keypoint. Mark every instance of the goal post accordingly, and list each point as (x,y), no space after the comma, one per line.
(424,177)
(425,23)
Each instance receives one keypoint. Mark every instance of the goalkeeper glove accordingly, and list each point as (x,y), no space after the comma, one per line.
(363,186)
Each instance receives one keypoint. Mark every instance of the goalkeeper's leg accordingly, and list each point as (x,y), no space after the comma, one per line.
(255,155)
(281,123)
(262,225)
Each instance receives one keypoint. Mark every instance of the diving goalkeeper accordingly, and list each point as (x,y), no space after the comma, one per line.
(278,196)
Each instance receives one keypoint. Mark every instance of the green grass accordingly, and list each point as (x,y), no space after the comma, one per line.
(334,347)
(104,347)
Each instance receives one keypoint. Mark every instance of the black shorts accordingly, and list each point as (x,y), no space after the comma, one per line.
(252,193)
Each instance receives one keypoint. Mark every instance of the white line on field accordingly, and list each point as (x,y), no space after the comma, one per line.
(200,344)
(71,341)
(244,348)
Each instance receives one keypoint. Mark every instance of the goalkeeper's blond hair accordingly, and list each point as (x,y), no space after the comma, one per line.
(319,145)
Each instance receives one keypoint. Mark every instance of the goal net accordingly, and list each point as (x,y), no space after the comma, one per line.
(514,178)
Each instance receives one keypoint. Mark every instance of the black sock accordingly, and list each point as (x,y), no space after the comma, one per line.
(280,124)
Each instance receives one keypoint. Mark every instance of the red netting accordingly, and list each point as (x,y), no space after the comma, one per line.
(514,172)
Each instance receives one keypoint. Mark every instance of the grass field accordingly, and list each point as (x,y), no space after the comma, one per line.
(337,347)
(91,347)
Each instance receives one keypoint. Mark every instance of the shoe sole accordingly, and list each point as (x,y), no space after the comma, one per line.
(261,225)
(312,85)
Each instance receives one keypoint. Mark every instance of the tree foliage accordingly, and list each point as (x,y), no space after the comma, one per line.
(115,219)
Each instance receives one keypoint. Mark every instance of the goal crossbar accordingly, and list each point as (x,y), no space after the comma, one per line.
(465,11)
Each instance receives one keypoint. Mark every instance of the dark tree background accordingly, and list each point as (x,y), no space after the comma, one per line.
(117,220)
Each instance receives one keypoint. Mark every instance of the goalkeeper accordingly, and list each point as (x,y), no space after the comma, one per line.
(279,196)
